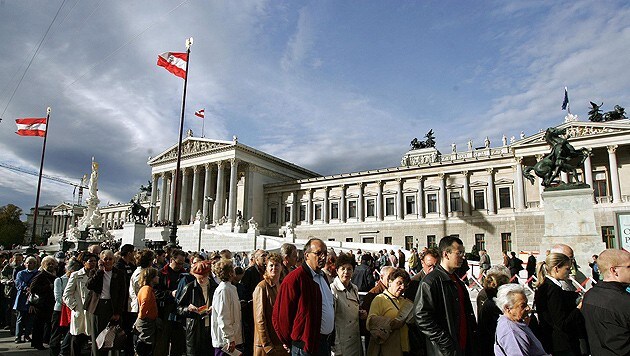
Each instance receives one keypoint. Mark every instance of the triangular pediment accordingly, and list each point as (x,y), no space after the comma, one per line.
(503,181)
(389,191)
(62,207)
(410,190)
(431,187)
(478,184)
(191,146)
(577,129)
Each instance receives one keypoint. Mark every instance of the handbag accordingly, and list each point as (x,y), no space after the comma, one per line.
(112,337)
(32,299)
(66,316)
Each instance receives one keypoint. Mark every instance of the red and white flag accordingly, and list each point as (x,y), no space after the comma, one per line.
(201,113)
(174,63)
(31,126)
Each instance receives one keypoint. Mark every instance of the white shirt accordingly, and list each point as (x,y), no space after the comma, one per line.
(328,309)
(226,316)
(107,280)
(133,290)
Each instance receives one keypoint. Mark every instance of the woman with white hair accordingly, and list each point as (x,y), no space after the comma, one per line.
(513,336)
(23,280)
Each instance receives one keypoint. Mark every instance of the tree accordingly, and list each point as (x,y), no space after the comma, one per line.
(12,229)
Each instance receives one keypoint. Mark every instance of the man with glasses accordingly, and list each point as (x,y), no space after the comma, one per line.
(443,310)
(173,332)
(303,314)
(606,306)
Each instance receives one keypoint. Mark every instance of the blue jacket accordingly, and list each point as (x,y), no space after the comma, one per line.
(22,282)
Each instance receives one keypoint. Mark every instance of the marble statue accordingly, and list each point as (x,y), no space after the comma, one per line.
(504,140)
(486,142)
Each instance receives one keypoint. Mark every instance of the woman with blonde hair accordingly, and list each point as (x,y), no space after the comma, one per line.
(561,322)
(266,341)
(226,311)
(145,325)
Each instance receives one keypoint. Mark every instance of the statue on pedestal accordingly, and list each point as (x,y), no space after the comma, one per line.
(137,212)
(428,143)
(556,161)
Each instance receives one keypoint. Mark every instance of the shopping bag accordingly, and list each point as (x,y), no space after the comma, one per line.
(112,337)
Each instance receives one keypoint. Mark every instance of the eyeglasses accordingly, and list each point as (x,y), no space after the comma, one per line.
(320,254)
(621,267)
(458,253)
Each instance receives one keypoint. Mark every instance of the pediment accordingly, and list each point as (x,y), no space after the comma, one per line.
(579,129)
(352,196)
(431,187)
(410,190)
(389,191)
(62,207)
(454,186)
(478,184)
(503,181)
(191,146)
(369,194)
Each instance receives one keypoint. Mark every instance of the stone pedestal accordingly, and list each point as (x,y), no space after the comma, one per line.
(569,219)
(133,234)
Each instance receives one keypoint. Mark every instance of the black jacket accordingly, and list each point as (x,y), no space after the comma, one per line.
(606,310)
(561,322)
(43,285)
(117,288)
(363,278)
(437,314)
(193,294)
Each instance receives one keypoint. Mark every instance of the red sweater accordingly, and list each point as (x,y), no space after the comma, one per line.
(297,312)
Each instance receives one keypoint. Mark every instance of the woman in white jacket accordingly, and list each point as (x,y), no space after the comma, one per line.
(226,311)
(74,295)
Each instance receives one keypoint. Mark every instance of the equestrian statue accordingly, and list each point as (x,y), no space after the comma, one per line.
(137,212)
(558,160)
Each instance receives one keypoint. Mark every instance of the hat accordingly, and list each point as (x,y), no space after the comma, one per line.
(201,268)
(60,255)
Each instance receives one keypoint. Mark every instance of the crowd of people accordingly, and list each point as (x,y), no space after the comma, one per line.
(312,301)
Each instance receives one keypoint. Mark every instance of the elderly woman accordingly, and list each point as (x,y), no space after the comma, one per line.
(487,311)
(226,311)
(513,336)
(42,286)
(194,304)
(73,296)
(388,316)
(23,280)
(561,322)
(347,312)
(59,335)
(266,341)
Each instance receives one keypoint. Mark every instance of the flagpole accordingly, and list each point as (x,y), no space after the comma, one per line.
(203,124)
(39,180)
(175,208)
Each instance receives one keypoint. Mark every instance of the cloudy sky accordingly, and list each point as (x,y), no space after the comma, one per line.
(333,86)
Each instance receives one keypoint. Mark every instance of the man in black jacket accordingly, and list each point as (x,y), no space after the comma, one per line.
(443,310)
(606,306)
(362,277)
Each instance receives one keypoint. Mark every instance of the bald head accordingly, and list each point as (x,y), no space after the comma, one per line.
(563,249)
(385,271)
(613,265)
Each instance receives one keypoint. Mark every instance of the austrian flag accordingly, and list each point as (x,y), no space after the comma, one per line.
(201,113)
(31,127)
(174,63)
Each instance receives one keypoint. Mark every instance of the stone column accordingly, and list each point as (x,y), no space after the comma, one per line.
(219,203)
(342,204)
(232,196)
(379,200)
(206,192)
(173,200)
(361,203)
(492,208)
(325,207)
(194,205)
(420,197)
(154,184)
(294,208)
(588,171)
(400,206)
(309,206)
(185,201)
(541,188)
(442,202)
(518,181)
(466,204)
(163,193)
(614,173)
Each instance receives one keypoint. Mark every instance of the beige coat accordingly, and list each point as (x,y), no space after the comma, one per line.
(74,295)
(347,334)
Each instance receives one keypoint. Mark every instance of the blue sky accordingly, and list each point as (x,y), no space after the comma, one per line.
(334,86)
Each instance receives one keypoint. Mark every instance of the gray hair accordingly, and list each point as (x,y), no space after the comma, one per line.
(499,270)
(505,295)
(287,249)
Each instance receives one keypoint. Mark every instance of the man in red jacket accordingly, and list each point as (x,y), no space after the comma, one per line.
(303,314)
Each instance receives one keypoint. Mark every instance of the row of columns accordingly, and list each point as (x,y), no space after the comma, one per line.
(59,221)
(201,196)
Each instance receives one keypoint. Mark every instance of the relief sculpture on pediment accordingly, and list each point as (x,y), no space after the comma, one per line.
(190,148)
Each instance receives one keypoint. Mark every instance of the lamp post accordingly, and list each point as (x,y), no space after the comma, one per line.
(151,208)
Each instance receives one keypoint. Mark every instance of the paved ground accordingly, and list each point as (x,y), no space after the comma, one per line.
(9,348)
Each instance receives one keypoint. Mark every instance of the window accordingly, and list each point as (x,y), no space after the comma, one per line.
(410,204)
(273,215)
(504,198)
(389,206)
(352,209)
(371,211)
(349,239)
(600,188)
(608,236)
(318,211)
(368,240)
(287,214)
(431,203)
(302,212)
(431,241)
(334,210)
(480,201)
(506,241)
(456,201)
(388,240)
(480,242)
(408,242)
